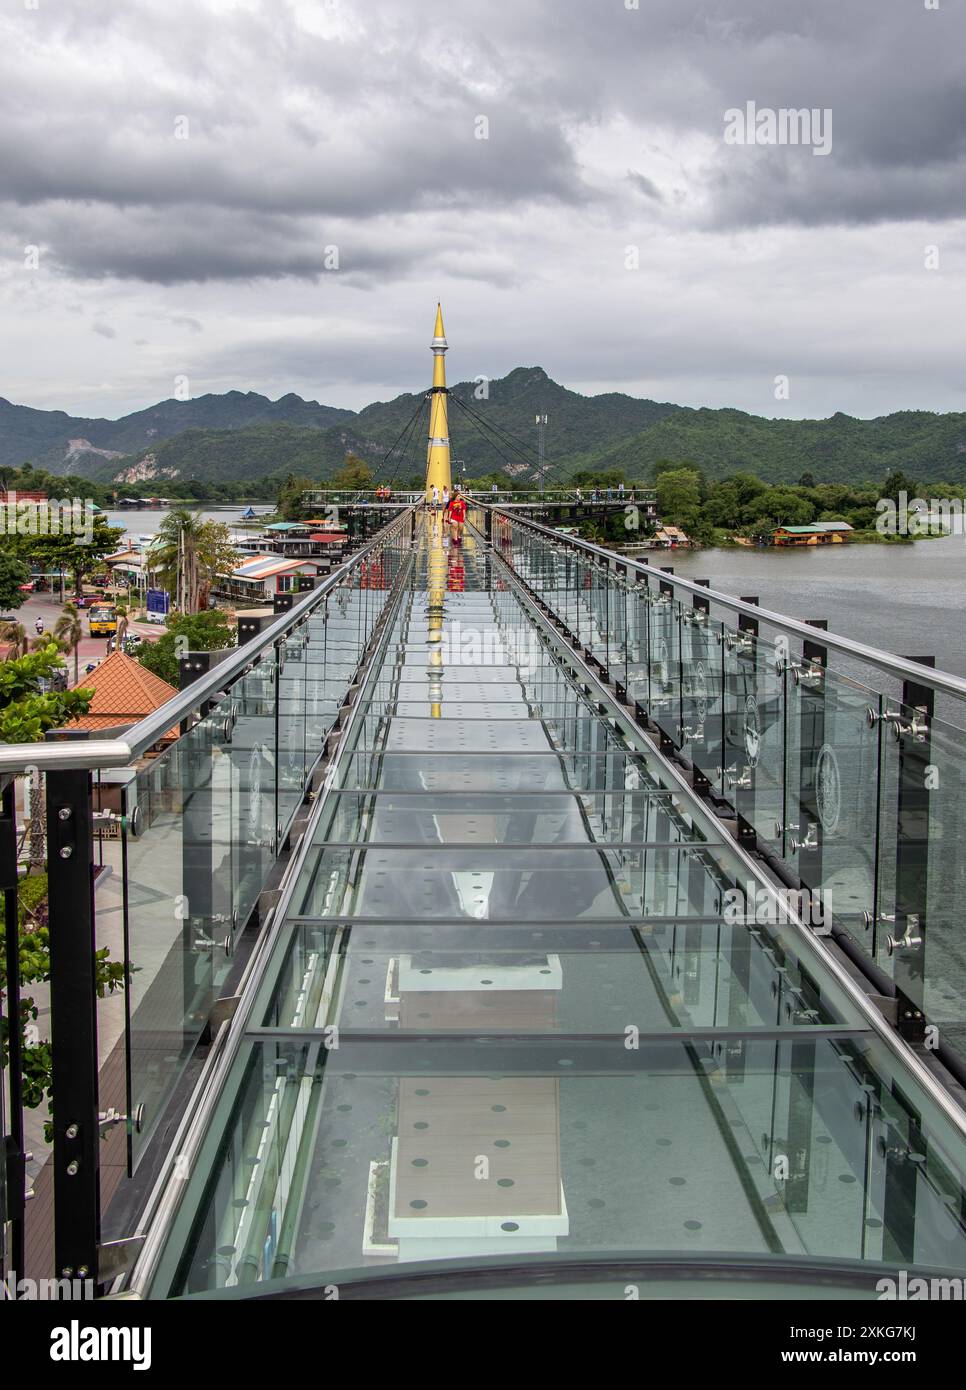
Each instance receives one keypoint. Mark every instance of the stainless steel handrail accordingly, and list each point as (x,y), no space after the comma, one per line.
(899,667)
(75,754)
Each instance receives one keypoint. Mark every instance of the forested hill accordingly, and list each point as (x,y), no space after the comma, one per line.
(842,449)
(242,436)
(62,443)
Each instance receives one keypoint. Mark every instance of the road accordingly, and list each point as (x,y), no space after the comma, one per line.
(49,608)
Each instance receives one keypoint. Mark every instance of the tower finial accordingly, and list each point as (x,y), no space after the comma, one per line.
(438,472)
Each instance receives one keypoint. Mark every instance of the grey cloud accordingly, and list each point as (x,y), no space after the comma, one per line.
(202,244)
(645,185)
(378,118)
(357,130)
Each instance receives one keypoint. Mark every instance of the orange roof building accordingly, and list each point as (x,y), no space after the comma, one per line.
(124,692)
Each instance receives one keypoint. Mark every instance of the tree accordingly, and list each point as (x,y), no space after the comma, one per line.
(189,553)
(197,632)
(69,631)
(775,507)
(27,708)
(69,552)
(897,482)
(679,496)
(13,573)
(15,633)
(27,711)
(288,502)
(599,477)
(353,474)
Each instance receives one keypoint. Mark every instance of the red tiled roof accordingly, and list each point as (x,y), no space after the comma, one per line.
(124,692)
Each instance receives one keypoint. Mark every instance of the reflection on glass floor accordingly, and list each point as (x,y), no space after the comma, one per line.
(510,1013)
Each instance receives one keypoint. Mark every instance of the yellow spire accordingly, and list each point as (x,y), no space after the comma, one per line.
(438,469)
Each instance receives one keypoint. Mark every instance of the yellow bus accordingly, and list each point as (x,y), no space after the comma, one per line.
(103,620)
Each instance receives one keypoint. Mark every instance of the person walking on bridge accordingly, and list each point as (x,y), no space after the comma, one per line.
(456,515)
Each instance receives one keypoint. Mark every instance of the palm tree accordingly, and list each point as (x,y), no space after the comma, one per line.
(68,631)
(188,553)
(17,634)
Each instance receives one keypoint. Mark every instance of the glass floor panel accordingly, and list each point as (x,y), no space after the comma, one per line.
(511,1011)
(487,818)
(508,884)
(409,770)
(437,1157)
(623,982)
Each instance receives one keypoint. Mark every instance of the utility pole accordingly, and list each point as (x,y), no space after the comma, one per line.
(541,445)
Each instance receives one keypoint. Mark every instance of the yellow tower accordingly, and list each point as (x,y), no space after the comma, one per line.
(437,457)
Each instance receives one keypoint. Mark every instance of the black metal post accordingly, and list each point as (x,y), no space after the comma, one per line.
(251,625)
(14,1161)
(73,999)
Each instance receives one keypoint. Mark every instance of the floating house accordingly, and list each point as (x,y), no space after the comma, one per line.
(818,533)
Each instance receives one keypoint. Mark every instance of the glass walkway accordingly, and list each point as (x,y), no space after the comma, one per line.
(531,1017)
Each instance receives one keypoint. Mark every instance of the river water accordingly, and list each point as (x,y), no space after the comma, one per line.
(907,599)
(147,521)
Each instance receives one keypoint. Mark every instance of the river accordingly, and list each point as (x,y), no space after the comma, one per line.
(147,521)
(907,599)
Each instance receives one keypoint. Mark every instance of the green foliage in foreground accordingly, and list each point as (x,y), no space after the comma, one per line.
(190,632)
(34,957)
(27,711)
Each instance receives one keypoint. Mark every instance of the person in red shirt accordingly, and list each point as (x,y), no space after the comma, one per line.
(456,515)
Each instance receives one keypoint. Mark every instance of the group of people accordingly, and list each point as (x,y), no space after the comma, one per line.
(383,494)
(600,494)
(453,510)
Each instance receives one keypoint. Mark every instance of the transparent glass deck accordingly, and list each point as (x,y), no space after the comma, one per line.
(523,1007)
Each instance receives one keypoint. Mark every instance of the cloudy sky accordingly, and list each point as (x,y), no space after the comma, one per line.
(184,169)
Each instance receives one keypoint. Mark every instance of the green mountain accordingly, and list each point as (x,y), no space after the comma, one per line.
(240,436)
(841,449)
(62,443)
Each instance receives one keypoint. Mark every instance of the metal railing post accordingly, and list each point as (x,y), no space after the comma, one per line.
(812,712)
(744,739)
(73,999)
(14,1184)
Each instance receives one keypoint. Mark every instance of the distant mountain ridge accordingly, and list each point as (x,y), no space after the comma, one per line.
(45,437)
(243,435)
